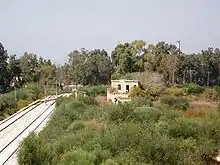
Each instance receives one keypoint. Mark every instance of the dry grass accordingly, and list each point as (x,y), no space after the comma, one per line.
(93,123)
(198,108)
(102,100)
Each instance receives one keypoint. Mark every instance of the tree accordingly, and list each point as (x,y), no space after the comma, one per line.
(99,67)
(128,57)
(76,65)
(30,67)
(164,59)
(4,74)
(47,74)
(14,69)
(90,67)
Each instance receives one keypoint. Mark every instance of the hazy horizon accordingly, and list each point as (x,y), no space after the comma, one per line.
(52,29)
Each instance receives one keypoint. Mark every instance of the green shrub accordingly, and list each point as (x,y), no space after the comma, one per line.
(175,102)
(109,162)
(185,128)
(22,103)
(33,151)
(2,117)
(36,89)
(9,104)
(120,137)
(175,91)
(212,93)
(123,134)
(77,157)
(23,94)
(75,126)
(193,89)
(59,101)
(140,101)
(7,101)
(10,111)
(96,90)
(89,100)
(147,114)
(123,112)
(154,92)
(136,92)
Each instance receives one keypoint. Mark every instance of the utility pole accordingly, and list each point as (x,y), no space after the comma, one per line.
(14,84)
(179,43)
(45,94)
(141,67)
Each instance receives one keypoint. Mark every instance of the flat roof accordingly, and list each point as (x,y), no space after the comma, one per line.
(124,80)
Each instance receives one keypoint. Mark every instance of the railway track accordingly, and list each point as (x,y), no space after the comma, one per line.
(20,113)
(17,127)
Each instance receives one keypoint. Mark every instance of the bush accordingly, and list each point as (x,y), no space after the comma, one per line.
(78,157)
(75,126)
(138,102)
(123,112)
(147,114)
(89,100)
(2,117)
(212,93)
(7,103)
(174,91)
(123,134)
(59,101)
(175,102)
(33,151)
(184,128)
(23,103)
(193,89)
(109,162)
(10,111)
(136,92)
(154,92)
(96,90)
(36,89)
(24,96)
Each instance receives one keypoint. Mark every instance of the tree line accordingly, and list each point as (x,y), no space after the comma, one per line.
(175,66)
(98,67)
(15,72)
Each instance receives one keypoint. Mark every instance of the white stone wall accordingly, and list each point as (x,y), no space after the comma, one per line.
(124,83)
(120,95)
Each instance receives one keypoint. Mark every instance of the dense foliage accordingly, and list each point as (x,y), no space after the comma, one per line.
(15,72)
(162,60)
(24,96)
(81,132)
(92,67)
(95,90)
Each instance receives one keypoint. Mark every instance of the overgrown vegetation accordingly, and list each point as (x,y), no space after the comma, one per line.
(140,132)
(178,103)
(157,127)
(12,102)
(193,89)
(95,90)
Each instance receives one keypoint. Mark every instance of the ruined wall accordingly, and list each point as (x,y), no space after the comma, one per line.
(123,83)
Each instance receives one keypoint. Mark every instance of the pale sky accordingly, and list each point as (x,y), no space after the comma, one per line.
(53,28)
